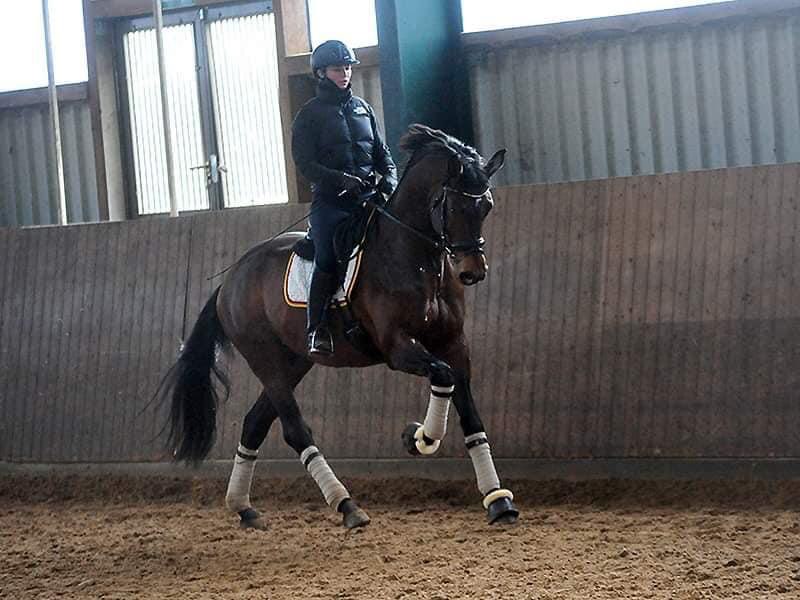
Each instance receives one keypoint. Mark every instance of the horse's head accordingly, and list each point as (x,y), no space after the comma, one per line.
(459,196)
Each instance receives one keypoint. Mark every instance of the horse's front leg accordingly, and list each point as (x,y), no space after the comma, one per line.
(410,356)
(497,500)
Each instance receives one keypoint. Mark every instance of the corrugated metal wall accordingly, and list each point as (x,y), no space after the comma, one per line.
(608,104)
(147,126)
(246,109)
(28,190)
(633,317)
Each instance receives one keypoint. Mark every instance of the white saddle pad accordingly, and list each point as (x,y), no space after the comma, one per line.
(297,280)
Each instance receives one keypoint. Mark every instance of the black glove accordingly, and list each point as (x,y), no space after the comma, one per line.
(351,183)
(387,185)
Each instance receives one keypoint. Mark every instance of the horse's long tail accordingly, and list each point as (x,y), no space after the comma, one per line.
(188,383)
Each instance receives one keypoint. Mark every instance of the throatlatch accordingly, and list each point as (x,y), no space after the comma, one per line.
(237,497)
(332,489)
(488,481)
(428,436)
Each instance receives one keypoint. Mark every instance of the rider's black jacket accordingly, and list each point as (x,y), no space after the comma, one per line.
(336,133)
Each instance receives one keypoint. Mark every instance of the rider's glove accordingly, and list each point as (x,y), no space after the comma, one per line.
(351,183)
(387,184)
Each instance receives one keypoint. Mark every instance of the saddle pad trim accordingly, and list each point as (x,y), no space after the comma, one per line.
(336,304)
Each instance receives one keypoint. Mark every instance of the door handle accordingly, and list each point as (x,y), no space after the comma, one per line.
(213,169)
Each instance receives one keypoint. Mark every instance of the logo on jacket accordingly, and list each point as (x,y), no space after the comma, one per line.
(360,110)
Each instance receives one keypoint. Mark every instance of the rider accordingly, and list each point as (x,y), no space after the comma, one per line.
(337,147)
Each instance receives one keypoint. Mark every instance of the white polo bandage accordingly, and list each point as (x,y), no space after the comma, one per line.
(237,498)
(435,423)
(481,455)
(332,489)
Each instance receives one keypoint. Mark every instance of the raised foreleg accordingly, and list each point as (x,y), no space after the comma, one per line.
(409,355)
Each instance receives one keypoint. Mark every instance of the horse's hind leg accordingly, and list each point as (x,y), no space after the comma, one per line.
(254,431)
(298,435)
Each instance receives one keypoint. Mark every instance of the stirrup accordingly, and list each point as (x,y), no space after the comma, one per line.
(320,341)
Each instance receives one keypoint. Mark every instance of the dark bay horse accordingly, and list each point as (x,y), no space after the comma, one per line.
(418,255)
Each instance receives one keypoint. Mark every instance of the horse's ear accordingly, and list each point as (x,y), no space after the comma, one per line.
(495,163)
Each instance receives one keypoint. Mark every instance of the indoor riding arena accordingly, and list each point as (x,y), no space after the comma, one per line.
(634,346)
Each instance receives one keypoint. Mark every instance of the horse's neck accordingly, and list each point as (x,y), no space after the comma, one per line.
(404,257)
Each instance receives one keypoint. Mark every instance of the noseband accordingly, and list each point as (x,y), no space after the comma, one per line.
(466,247)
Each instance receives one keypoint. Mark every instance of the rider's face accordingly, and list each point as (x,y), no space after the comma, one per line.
(339,74)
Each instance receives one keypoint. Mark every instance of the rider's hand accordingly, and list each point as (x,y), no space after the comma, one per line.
(387,185)
(351,183)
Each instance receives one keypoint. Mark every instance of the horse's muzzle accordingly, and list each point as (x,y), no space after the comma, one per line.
(472,269)
(470,278)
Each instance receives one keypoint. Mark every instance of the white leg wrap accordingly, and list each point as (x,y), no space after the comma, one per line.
(481,455)
(332,489)
(237,497)
(435,423)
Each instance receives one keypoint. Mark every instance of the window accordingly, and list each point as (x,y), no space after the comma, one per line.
(351,21)
(480,15)
(24,64)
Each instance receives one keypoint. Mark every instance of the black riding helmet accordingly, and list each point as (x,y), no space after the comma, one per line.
(332,52)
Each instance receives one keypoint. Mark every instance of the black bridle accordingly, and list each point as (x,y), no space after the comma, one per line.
(441,242)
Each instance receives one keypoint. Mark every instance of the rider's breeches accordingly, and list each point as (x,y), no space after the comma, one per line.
(316,465)
(324,221)
(237,497)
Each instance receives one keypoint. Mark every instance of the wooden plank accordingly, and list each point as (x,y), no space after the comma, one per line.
(664,396)
(784,425)
(628,409)
(40,405)
(652,390)
(739,391)
(517,252)
(761,285)
(710,211)
(640,333)
(562,339)
(682,406)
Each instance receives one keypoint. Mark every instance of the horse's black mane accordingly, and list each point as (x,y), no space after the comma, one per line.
(421,140)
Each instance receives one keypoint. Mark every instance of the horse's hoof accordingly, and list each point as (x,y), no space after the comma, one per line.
(502,512)
(409,441)
(252,519)
(352,515)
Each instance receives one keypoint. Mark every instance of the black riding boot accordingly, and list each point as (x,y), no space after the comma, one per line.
(323,286)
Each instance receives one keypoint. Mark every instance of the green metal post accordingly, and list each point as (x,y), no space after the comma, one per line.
(423,72)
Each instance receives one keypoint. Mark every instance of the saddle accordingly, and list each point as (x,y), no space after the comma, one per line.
(347,239)
(348,246)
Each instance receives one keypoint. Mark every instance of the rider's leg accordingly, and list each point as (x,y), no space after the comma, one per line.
(324,280)
(323,286)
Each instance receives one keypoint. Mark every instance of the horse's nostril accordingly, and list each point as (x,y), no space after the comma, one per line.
(469,278)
